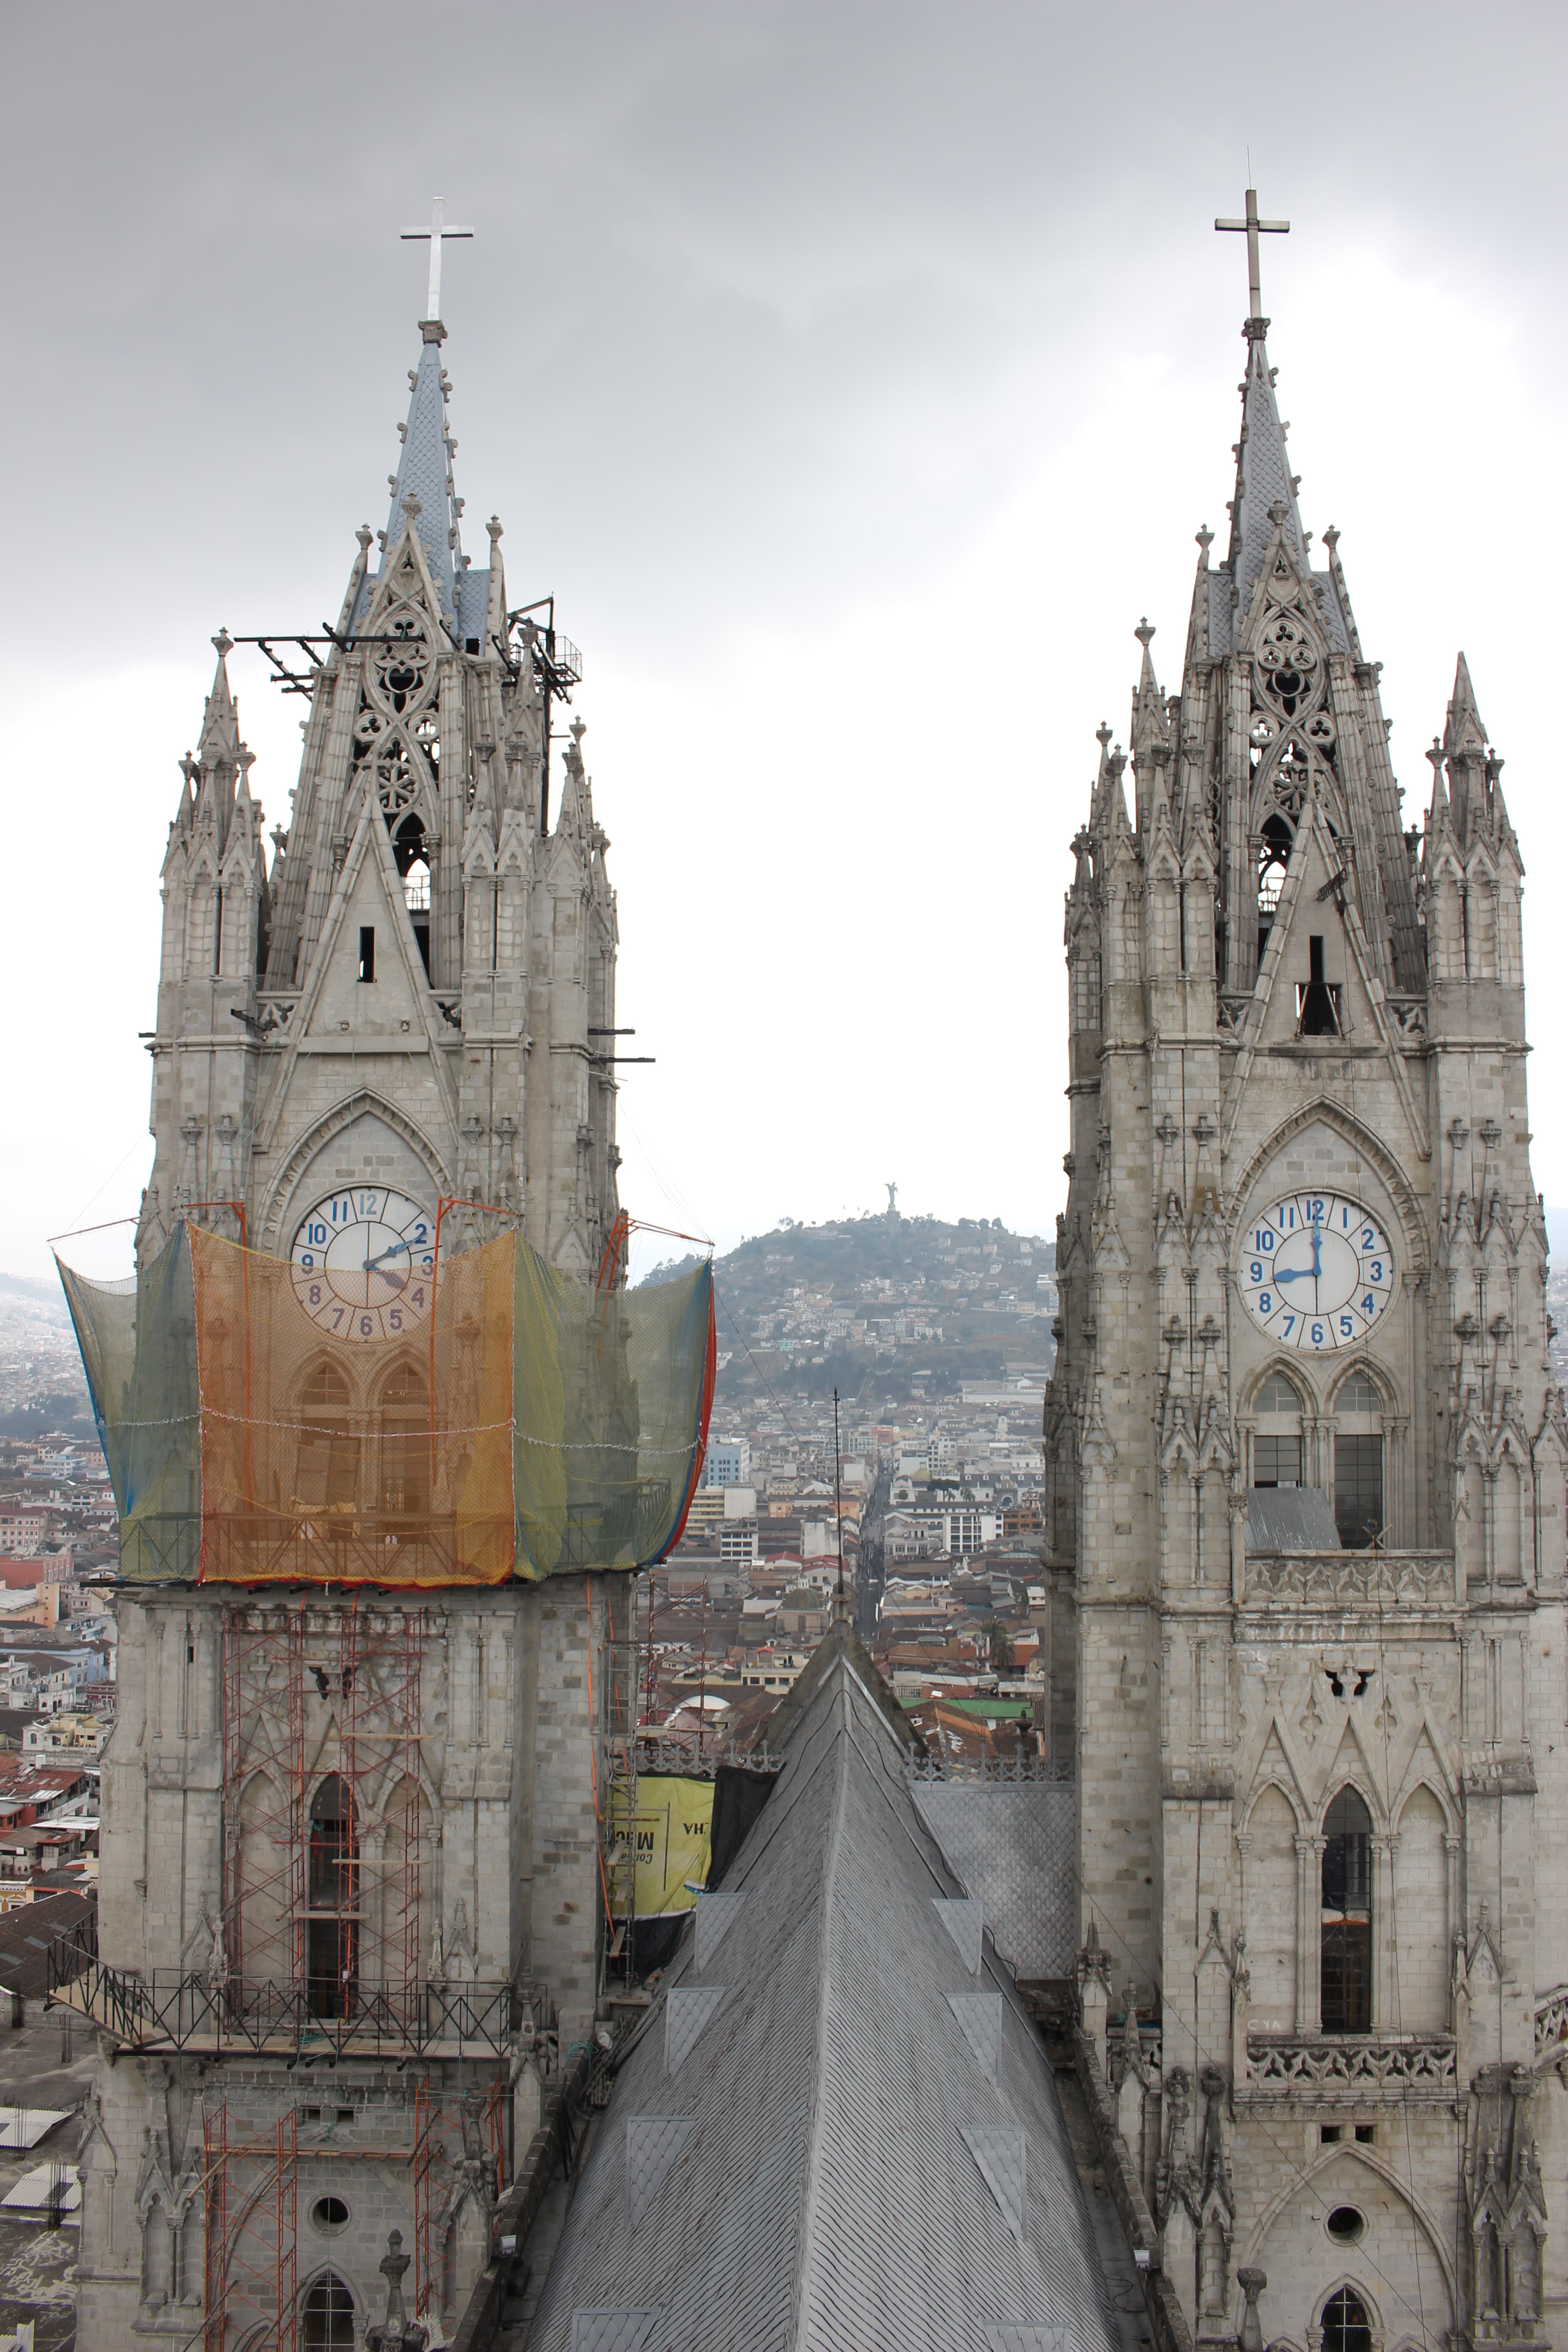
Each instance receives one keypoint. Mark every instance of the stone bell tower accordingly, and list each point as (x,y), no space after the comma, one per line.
(1306,1469)
(421,992)
(350,1908)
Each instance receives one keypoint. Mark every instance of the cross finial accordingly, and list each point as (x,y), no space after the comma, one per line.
(436,232)
(1253,228)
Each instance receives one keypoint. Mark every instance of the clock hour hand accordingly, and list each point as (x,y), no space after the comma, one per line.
(1295,1274)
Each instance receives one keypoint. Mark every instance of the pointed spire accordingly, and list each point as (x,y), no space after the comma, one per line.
(1265,486)
(423,493)
(1464,730)
(220,721)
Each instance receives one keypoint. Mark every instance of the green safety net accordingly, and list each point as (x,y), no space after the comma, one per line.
(515,1422)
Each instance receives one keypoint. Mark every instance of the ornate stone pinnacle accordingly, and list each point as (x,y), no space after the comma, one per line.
(1144,631)
(1205,537)
(225,644)
(413,507)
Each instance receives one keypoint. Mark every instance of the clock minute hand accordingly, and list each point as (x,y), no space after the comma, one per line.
(398,1245)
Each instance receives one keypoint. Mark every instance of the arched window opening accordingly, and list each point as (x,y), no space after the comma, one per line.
(1273,858)
(405,1445)
(1358,1463)
(332,1900)
(329,2317)
(1346,1933)
(326,1475)
(1346,2327)
(1277,1439)
(412,858)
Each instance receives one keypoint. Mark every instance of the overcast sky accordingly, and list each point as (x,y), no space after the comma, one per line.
(855,376)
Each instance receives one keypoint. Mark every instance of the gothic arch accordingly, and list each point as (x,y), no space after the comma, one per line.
(1356,2152)
(1435,1789)
(1306,1817)
(1364,2296)
(1281,1366)
(1322,1111)
(1376,1376)
(273,1222)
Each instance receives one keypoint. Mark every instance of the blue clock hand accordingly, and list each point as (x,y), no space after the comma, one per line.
(398,1245)
(1317,1265)
(1294,1274)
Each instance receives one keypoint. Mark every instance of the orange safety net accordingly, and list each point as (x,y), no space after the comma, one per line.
(327,1459)
(487,1416)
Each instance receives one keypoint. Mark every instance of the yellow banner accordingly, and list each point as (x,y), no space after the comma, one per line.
(674,1839)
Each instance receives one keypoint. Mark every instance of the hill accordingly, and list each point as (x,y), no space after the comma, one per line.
(886,1308)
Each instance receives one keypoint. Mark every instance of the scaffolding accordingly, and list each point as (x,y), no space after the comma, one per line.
(323,1883)
(478,2118)
(264,1794)
(252,2229)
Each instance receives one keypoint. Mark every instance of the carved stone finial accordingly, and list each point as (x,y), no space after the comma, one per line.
(413,507)
(1205,537)
(1252,2283)
(225,644)
(1144,631)
(365,536)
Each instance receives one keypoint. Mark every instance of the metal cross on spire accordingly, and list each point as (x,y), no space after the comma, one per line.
(1254,229)
(437,233)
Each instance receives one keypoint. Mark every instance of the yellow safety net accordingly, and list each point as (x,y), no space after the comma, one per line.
(515,1422)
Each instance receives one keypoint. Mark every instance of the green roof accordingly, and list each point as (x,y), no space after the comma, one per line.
(998,1710)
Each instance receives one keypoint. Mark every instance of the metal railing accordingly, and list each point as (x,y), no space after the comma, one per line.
(174,2009)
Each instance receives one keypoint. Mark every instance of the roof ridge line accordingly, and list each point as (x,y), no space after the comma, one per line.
(811,2179)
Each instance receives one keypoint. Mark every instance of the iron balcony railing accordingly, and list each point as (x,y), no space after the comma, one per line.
(176,2010)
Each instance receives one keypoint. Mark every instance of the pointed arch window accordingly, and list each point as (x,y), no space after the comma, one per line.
(1346,2326)
(1273,857)
(1358,1463)
(405,1445)
(1277,1444)
(332,1900)
(326,1477)
(1345,1947)
(328,2316)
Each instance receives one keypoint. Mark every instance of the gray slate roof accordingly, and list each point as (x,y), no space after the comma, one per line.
(841,2131)
(1012,1844)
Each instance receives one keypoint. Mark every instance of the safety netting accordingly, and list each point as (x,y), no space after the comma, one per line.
(514,1420)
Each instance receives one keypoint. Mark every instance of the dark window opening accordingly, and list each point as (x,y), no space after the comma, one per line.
(1276,1461)
(1318,1002)
(1346,2224)
(328,2212)
(333,1896)
(1328,2133)
(1358,1490)
(1346,2327)
(218,932)
(1345,1983)
(412,858)
(470,645)
(367,951)
(1367,2134)
(329,2317)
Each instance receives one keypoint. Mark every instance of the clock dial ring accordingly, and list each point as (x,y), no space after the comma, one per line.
(1316,1272)
(361,1261)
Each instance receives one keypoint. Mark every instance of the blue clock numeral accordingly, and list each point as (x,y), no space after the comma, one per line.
(1265,1303)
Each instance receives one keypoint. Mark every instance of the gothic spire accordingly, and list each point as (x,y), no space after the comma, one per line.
(1265,486)
(425,473)
(1464,730)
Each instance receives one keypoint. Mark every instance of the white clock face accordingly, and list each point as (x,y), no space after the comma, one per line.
(1316,1272)
(362,1261)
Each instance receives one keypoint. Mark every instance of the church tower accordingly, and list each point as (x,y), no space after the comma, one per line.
(421,994)
(350,1903)
(1306,1467)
